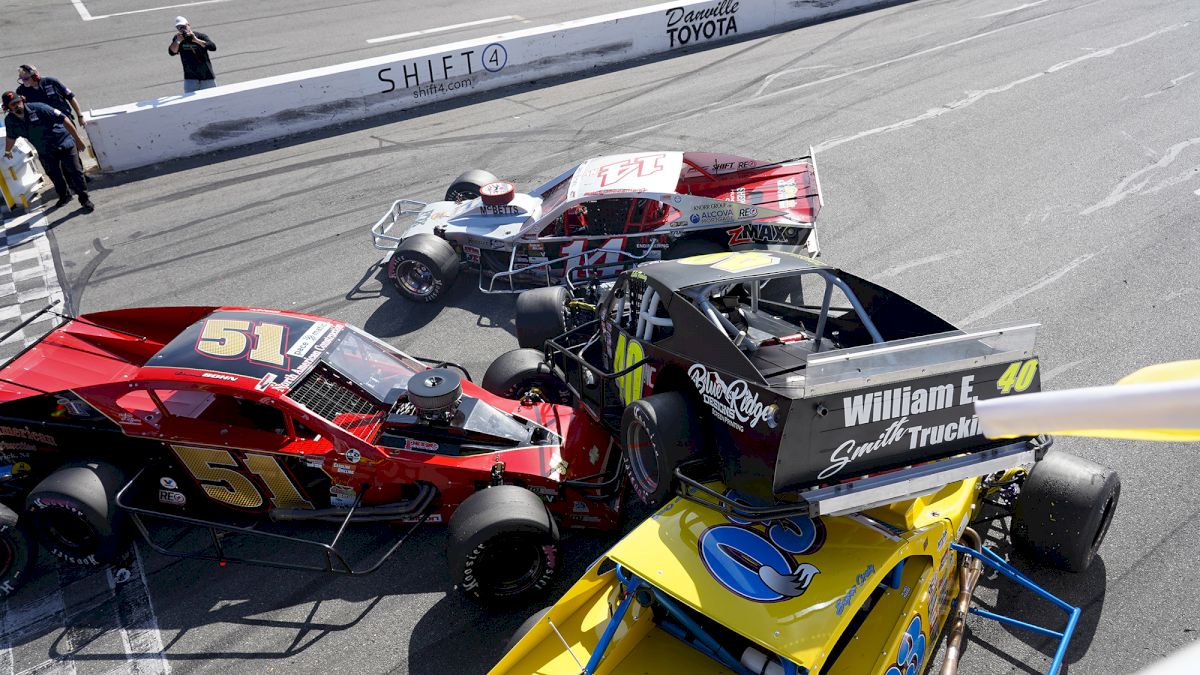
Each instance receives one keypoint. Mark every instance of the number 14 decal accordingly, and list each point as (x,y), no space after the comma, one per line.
(239,338)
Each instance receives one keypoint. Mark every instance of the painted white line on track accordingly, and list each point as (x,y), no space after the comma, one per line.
(87,16)
(428,31)
(1010,11)
(135,614)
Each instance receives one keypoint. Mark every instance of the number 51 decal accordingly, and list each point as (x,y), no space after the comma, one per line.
(224,479)
(239,338)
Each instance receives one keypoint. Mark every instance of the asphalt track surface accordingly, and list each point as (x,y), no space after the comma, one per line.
(994,160)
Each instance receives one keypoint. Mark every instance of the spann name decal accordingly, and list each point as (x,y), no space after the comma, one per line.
(693,25)
(733,403)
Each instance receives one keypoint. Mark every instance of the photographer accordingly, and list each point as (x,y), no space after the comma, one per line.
(193,49)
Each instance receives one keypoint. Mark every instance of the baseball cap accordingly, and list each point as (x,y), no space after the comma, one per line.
(180,21)
(9,97)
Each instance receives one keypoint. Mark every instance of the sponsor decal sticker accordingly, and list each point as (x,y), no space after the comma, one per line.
(689,25)
(353,456)
(309,339)
(29,435)
(168,483)
(219,376)
(897,404)
(343,468)
(171,497)
(862,578)
(734,403)
(265,382)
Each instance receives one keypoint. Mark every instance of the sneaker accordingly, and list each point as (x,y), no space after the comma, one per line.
(86,203)
(62,201)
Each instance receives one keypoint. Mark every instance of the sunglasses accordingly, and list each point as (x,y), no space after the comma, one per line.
(24,78)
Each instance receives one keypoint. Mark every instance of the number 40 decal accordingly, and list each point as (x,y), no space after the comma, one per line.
(628,353)
(1017,377)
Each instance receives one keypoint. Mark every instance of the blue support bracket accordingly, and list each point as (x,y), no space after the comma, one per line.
(994,561)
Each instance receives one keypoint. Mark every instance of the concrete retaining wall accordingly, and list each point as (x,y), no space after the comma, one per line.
(138,134)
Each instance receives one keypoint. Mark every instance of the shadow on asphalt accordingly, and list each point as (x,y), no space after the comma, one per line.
(398,316)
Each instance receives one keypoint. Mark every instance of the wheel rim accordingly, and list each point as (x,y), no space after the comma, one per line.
(510,566)
(643,465)
(68,533)
(415,277)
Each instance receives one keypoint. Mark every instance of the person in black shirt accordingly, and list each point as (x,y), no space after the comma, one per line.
(38,89)
(55,138)
(193,49)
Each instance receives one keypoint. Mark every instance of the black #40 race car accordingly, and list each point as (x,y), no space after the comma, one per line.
(823,435)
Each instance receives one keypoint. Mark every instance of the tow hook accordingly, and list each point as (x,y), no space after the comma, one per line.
(497,474)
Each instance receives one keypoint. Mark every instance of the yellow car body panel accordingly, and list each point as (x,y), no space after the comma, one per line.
(852,556)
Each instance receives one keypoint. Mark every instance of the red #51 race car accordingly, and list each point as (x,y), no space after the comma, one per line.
(230,418)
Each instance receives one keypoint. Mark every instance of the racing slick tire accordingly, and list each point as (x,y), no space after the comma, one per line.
(423,267)
(541,315)
(74,515)
(502,545)
(524,628)
(1064,509)
(18,552)
(690,246)
(467,185)
(659,433)
(520,371)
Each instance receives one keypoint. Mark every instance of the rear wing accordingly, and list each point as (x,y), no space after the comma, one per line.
(871,424)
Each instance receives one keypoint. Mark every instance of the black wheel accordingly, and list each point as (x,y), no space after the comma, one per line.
(18,552)
(541,315)
(658,433)
(74,515)
(467,185)
(520,371)
(690,246)
(502,545)
(423,267)
(1064,510)
(524,628)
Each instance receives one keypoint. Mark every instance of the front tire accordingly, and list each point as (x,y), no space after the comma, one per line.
(521,371)
(659,433)
(467,185)
(541,315)
(525,627)
(1064,510)
(18,552)
(423,267)
(502,545)
(74,515)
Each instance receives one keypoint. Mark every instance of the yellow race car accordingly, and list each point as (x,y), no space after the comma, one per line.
(712,584)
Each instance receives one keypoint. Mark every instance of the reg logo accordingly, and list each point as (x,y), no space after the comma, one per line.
(757,561)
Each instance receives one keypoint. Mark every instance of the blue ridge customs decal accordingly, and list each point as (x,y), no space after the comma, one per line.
(734,403)
(757,561)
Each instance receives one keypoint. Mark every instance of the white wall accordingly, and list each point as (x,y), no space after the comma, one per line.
(138,134)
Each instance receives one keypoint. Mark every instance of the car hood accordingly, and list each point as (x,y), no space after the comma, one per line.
(814,594)
(474,219)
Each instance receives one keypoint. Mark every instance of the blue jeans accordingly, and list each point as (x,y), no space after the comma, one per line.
(196,85)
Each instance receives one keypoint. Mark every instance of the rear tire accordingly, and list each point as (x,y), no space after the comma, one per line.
(502,545)
(467,185)
(1064,510)
(423,267)
(74,515)
(524,628)
(659,433)
(541,315)
(18,552)
(691,246)
(517,372)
